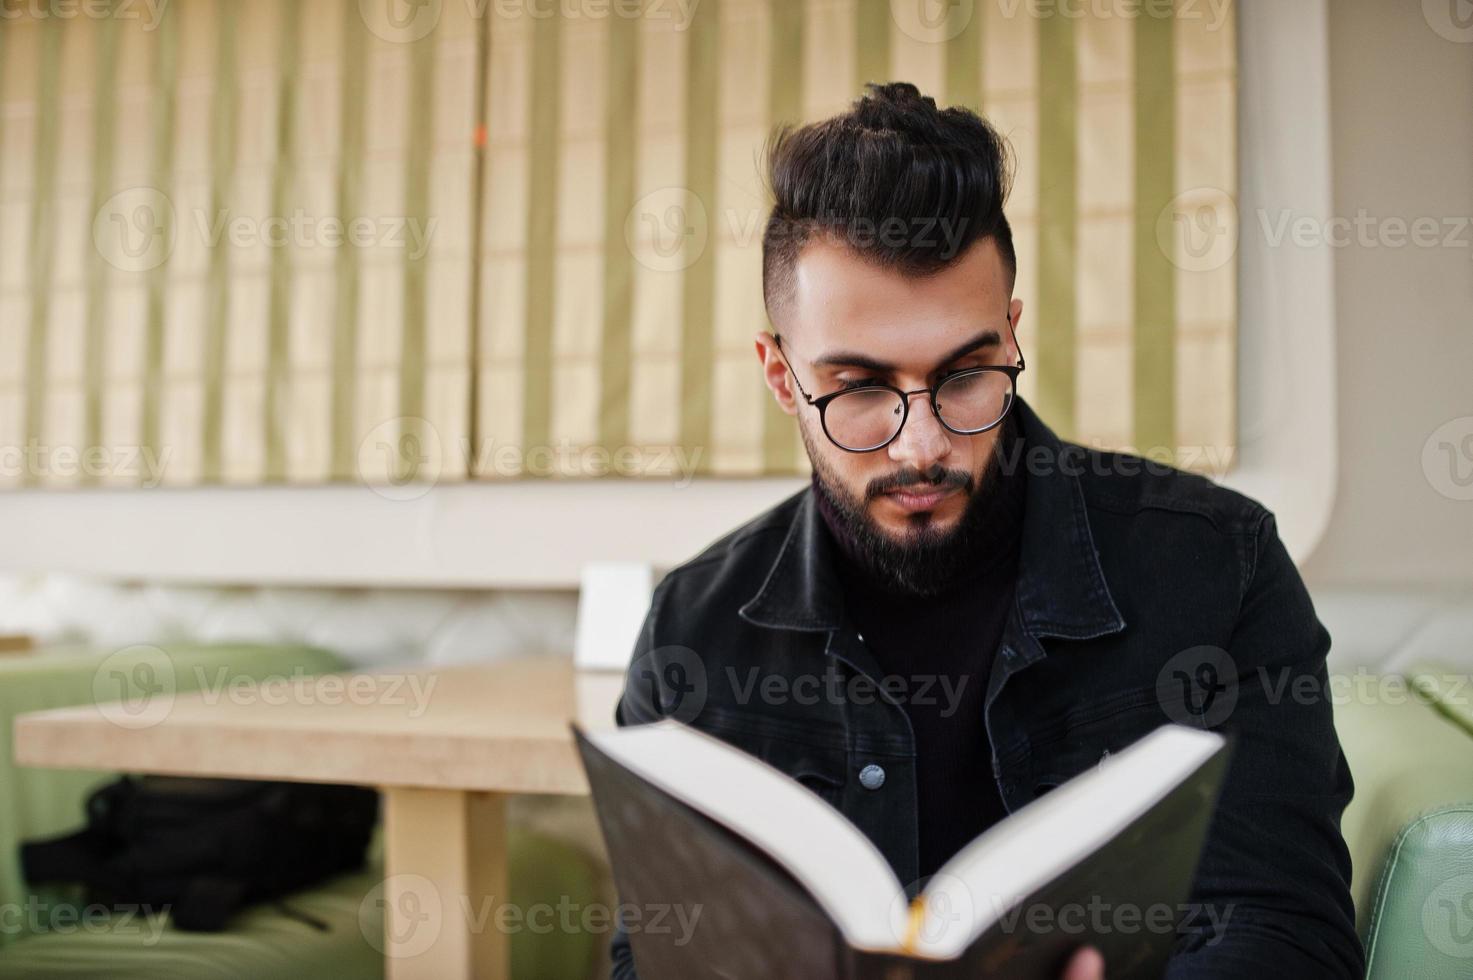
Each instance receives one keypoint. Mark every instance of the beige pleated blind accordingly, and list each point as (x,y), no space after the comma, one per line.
(327,240)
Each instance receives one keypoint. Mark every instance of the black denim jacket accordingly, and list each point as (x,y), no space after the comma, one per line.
(1145,595)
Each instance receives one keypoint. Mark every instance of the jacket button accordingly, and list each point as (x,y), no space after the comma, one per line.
(872,777)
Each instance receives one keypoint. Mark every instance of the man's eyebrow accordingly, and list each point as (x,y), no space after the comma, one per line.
(843,358)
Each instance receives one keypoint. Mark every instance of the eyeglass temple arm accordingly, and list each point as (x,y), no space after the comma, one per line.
(778,340)
(1022,365)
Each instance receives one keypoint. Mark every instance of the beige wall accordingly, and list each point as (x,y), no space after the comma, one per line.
(1402,131)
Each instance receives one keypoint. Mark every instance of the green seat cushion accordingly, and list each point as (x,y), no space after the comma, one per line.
(264,941)
(261,942)
(1405,759)
(1422,918)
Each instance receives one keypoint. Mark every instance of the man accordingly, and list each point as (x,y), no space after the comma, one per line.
(1001,609)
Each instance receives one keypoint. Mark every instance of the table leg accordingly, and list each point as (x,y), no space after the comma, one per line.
(446,870)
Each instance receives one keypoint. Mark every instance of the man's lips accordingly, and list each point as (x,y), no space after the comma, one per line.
(916,498)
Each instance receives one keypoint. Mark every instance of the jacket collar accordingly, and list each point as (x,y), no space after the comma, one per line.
(1061,589)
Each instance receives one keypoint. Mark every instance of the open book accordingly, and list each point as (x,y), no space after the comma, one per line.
(726,867)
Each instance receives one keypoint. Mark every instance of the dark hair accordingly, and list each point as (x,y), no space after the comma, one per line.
(900,182)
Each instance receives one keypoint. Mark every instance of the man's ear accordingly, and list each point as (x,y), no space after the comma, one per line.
(775,372)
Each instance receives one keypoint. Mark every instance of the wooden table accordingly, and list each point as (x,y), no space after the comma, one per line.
(446,747)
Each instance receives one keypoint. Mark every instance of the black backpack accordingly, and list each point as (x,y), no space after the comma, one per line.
(205,848)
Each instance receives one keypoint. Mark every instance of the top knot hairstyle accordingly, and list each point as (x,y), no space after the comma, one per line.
(899,182)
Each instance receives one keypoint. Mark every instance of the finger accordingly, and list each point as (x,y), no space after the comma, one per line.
(1087,964)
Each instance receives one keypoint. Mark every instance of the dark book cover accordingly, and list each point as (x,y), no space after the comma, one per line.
(713,905)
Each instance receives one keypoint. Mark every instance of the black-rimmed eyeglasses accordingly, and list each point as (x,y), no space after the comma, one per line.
(871,415)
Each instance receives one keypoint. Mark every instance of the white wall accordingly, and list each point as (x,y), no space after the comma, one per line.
(1402,131)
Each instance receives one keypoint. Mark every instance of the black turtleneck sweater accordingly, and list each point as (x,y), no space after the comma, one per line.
(947,642)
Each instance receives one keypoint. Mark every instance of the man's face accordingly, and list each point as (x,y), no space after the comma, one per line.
(849,321)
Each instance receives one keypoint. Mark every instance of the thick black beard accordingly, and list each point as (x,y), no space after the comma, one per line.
(928,562)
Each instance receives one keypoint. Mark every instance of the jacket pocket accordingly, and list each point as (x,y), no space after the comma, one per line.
(815,759)
(1086,739)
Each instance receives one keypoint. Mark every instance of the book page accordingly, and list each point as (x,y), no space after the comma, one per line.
(840,867)
(1052,834)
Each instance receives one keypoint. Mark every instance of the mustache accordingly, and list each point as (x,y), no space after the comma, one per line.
(936,478)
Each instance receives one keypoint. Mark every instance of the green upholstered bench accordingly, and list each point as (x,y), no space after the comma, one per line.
(43,933)
(1410,827)
(1422,916)
(264,941)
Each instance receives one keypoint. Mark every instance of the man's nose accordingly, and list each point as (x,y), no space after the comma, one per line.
(924,440)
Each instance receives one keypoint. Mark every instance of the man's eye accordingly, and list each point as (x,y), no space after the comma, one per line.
(849,384)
